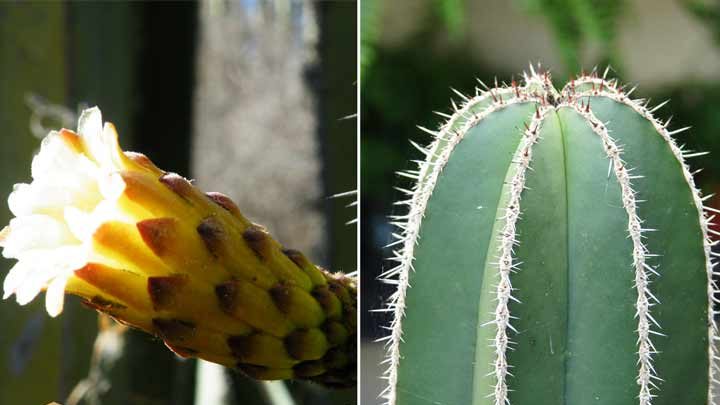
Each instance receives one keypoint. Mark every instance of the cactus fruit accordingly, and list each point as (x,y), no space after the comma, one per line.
(149,249)
(556,251)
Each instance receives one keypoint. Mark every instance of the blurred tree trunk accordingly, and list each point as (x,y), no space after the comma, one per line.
(261,130)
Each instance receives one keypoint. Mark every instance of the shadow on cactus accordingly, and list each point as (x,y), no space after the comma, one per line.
(149,249)
(556,251)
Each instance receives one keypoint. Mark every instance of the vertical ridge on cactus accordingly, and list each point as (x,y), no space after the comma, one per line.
(152,251)
(559,239)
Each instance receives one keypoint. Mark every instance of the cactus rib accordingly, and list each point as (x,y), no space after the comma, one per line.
(505,264)
(705,213)
(502,262)
(437,153)
(642,270)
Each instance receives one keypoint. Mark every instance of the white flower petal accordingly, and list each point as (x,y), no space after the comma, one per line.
(74,190)
(90,128)
(35,232)
(81,223)
(30,287)
(55,156)
(14,278)
(18,199)
(39,267)
(55,296)
(111,186)
(49,196)
(110,139)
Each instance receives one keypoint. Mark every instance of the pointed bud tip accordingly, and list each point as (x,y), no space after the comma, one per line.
(258,240)
(178,184)
(165,291)
(212,234)
(158,233)
(225,202)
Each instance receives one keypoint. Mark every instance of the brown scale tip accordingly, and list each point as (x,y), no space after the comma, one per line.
(243,347)
(280,294)
(296,256)
(164,291)
(225,202)
(157,233)
(225,293)
(178,184)
(265,373)
(142,160)
(212,234)
(174,330)
(306,344)
(252,371)
(257,239)
(328,301)
(103,305)
(308,369)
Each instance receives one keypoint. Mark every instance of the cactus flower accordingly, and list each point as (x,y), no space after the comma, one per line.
(149,249)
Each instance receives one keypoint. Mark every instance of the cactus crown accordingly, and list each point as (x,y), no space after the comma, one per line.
(575,248)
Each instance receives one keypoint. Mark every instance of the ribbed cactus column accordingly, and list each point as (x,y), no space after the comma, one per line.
(556,251)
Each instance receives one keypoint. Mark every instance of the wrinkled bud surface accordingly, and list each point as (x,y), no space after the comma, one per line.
(153,252)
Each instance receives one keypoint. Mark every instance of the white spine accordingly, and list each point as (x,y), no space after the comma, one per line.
(505,261)
(646,372)
(437,155)
(640,107)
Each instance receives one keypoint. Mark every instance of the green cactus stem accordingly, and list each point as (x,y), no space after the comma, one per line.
(556,251)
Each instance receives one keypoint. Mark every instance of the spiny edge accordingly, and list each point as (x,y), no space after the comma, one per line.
(409,224)
(703,216)
(646,372)
(508,241)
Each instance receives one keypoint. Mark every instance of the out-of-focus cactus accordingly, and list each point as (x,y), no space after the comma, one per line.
(149,249)
(556,251)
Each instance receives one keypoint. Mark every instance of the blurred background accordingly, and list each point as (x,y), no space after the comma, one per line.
(414,51)
(252,98)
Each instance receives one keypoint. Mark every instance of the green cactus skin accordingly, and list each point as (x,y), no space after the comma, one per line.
(555,251)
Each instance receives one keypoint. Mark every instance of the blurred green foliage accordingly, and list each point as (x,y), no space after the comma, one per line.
(574,22)
(707,12)
(452,13)
(368,32)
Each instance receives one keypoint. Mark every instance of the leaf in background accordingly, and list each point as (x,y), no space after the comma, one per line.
(575,21)
(452,13)
(706,13)
(369,29)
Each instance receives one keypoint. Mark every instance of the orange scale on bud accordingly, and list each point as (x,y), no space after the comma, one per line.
(121,244)
(138,161)
(190,298)
(119,285)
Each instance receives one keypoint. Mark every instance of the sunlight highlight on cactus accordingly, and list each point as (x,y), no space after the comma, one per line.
(556,251)
(152,251)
